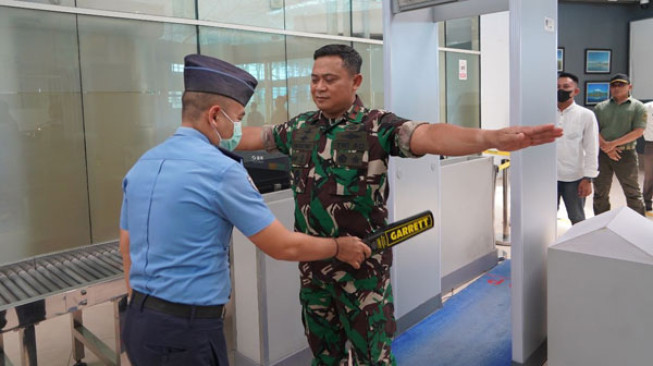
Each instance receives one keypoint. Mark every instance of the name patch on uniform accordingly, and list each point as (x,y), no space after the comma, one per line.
(351,140)
(304,138)
(400,231)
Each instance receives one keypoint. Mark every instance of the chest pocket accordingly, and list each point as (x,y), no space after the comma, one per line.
(303,143)
(350,157)
(573,131)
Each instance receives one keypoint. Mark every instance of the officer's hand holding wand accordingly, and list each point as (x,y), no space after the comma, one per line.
(280,243)
(351,250)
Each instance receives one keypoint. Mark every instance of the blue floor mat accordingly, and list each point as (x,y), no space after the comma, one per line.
(473,328)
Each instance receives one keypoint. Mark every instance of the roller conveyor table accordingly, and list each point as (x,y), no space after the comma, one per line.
(56,284)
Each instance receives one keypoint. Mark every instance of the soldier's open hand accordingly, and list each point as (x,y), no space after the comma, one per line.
(352,250)
(519,137)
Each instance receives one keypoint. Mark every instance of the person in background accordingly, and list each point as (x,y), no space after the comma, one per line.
(339,163)
(181,201)
(577,150)
(280,113)
(254,117)
(622,120)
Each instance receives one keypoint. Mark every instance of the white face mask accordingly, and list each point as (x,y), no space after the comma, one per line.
(231,143)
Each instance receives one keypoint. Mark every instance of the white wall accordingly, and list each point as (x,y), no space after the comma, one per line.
(641,54)
(495,70)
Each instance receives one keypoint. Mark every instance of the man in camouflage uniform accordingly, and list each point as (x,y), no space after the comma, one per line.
(339,156)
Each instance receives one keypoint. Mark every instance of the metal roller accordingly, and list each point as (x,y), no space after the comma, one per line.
(55,284)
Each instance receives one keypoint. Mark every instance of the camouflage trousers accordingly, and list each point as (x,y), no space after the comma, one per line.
(343,309)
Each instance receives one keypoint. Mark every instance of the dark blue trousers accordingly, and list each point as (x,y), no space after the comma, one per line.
(155,339)
(574,204)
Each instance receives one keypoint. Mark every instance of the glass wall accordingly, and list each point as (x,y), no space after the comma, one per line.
(460,72)
(371,91)
(260,13)
(43,189)
(132,78)
(171,8)
(261,54)
(82,97)
(367,19)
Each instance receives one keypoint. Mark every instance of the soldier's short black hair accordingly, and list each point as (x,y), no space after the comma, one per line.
(568,75)
(350,57)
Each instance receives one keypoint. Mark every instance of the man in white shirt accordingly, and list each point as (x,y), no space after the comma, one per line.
(577,149)
(647,191)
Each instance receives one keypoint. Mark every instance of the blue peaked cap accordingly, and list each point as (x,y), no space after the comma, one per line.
(210,75)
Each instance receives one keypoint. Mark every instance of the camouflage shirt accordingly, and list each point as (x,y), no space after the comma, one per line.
(339,173)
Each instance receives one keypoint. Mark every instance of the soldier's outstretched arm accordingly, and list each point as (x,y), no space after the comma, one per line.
(451,140)
(252,139)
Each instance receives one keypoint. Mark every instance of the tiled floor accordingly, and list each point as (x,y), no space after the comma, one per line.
(54,339)
(617,200)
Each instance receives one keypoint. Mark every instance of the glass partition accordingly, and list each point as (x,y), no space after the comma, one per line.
(132,77)
(82,97)
(371,90)
(260,13)
(171,8)
(463,34)
(443,86)
(367,19)
(43,196)
(52,2)
(320,17)
(460,80)
(262,55)
(463,89)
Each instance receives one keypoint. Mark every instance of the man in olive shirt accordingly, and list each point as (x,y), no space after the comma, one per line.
(622,120)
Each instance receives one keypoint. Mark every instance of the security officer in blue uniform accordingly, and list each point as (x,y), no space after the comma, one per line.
(181,201)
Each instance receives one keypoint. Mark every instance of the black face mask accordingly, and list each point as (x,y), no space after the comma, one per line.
(563,95)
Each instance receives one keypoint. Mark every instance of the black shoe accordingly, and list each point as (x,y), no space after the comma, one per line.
(649,208)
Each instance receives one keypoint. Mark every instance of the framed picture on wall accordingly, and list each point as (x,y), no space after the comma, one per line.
(598,61)
(561,59)
(596,91)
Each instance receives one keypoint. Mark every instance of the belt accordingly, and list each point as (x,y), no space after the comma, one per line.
(627,147)
(176,309)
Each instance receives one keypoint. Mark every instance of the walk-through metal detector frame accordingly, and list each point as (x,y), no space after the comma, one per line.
(410,35)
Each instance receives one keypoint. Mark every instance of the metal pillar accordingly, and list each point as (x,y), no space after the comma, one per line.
(410,47)
(533,43)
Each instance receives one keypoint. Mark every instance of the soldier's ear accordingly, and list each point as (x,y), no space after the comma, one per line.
(358,79)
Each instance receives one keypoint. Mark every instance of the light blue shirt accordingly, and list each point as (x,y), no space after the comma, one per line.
(181,201)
